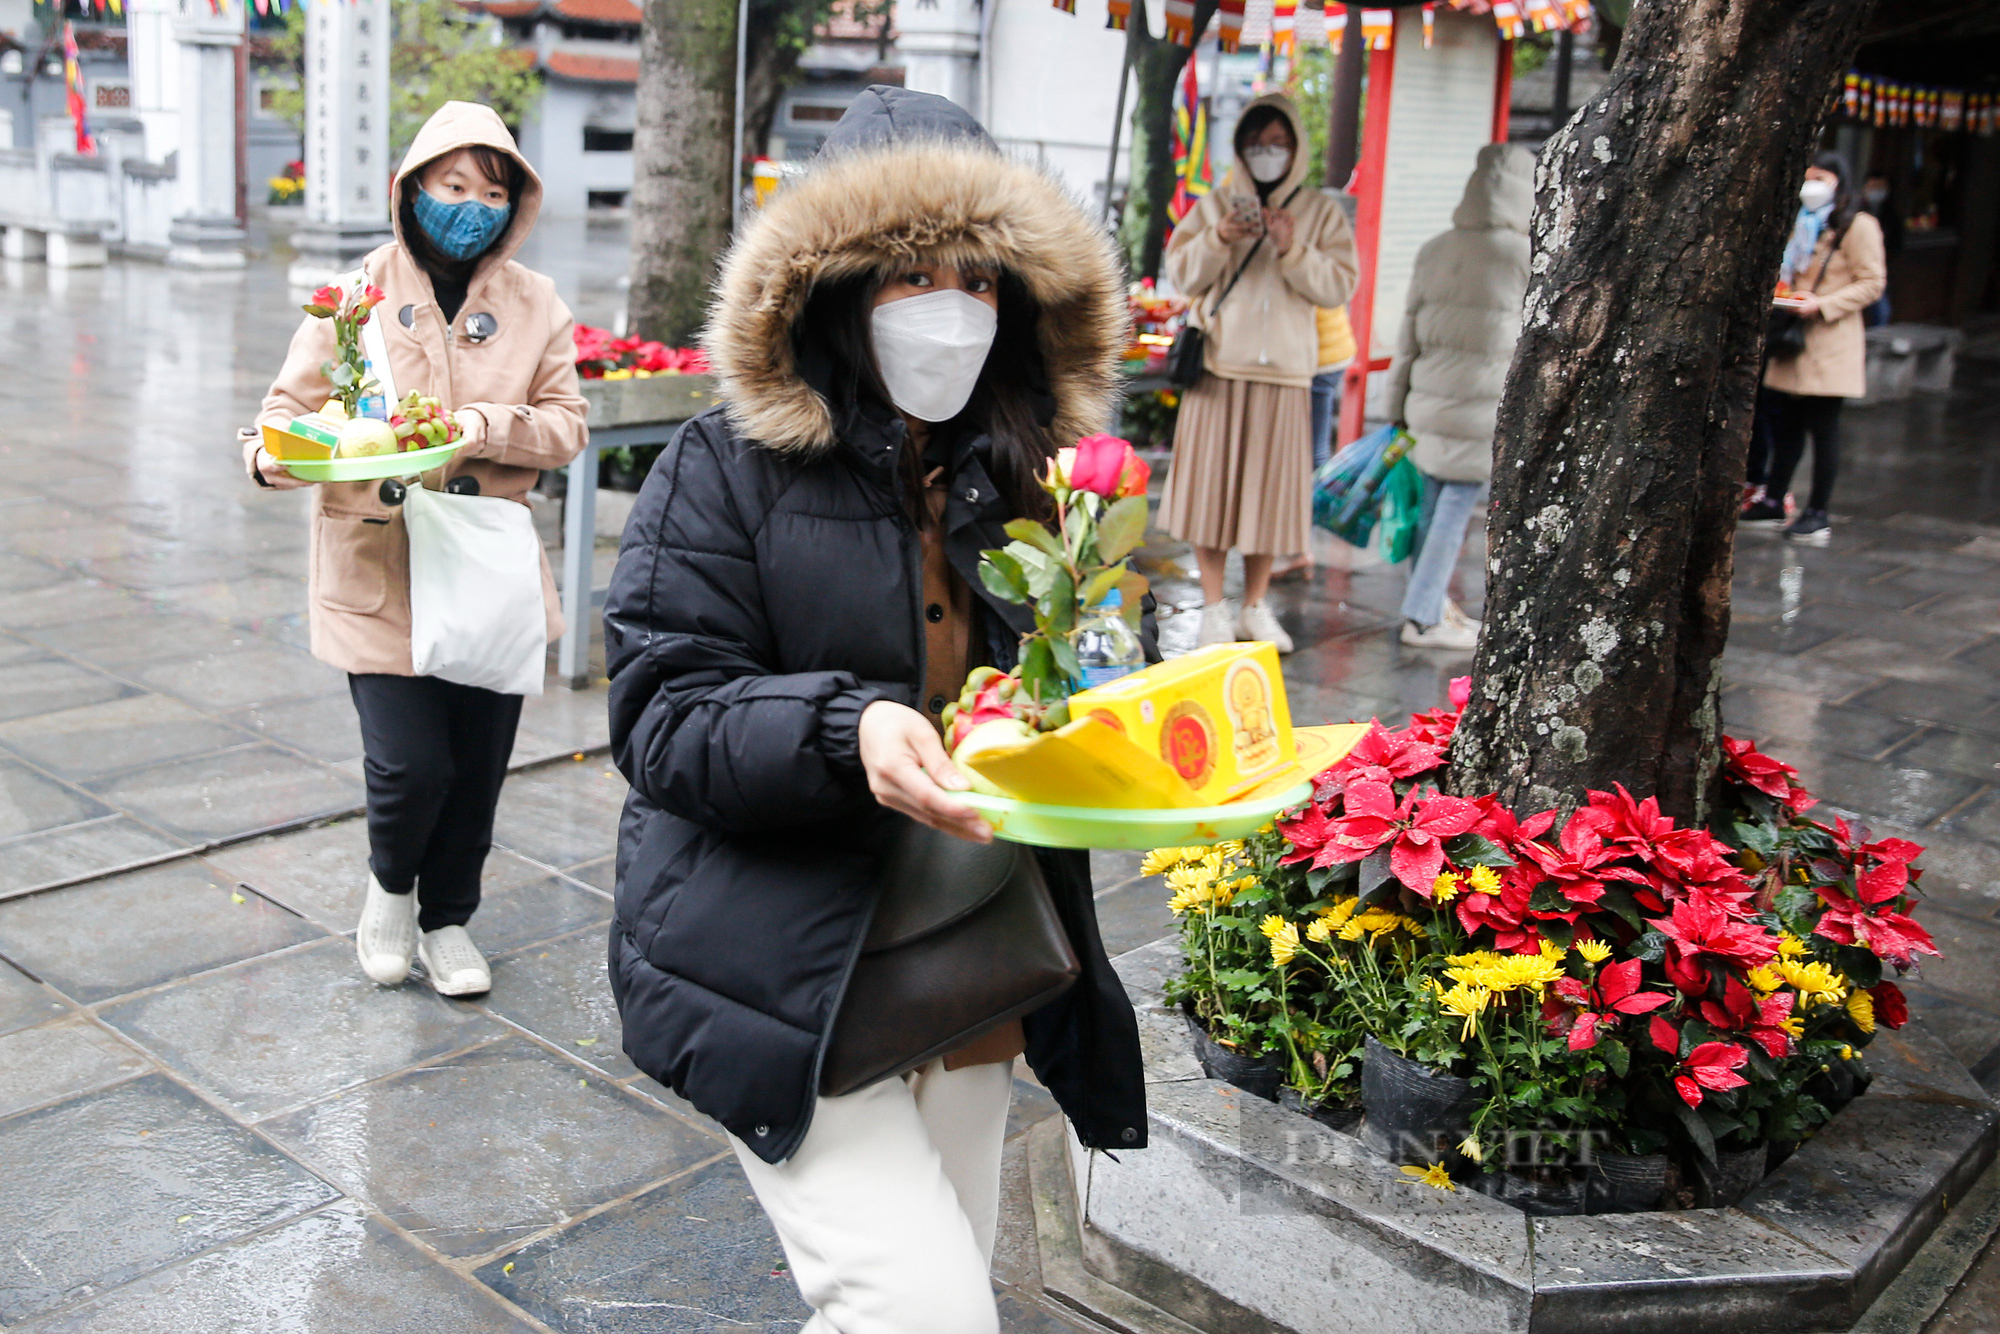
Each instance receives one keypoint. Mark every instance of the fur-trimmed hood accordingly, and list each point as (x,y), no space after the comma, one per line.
(907,175)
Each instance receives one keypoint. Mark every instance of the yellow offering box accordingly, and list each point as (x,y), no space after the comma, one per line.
(1216,717)
(1203,730)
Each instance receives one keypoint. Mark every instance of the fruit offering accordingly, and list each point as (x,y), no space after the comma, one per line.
(993,709)
(422,423)
(364,437)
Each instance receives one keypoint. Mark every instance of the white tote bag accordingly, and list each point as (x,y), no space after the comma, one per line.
(476,614)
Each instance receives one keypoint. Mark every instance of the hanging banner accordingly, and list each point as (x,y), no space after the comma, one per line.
(1507,18)
(73,82)
(1180,22)
(1430,24)
(1120,15)
(1545,16)
(1192,178)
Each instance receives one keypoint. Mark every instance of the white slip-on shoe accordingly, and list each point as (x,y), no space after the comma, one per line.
(387,936)
(1441,635)
(1454,615)
(455,965)
(1217,625)
(1259,622)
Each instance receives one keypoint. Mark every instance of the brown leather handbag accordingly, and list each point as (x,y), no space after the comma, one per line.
(964,939)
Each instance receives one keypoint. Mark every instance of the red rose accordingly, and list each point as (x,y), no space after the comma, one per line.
(1892,1010)
(1106,466)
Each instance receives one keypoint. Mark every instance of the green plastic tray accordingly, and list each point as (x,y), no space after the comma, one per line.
(1101,827)
(369,468)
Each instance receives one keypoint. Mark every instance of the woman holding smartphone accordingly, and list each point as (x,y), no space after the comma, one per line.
(1257,257)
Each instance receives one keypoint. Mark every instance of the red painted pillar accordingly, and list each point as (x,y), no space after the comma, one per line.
(1367,238)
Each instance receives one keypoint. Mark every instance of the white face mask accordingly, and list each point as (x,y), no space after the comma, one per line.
(930,350)
(1267,163)
(1816,194)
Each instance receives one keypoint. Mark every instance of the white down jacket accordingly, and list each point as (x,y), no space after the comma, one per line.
(1463,318)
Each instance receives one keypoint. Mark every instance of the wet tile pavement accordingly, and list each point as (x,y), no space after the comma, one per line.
(209,1121)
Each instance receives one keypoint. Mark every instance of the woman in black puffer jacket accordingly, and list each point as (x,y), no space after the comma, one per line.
(796,597)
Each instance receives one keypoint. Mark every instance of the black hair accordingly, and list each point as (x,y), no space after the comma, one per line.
(834,345)
(1254,122)
(495,165)
(1846,199)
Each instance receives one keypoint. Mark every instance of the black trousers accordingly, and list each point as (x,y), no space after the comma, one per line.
(435,754)
(1759,470)
(1793,418)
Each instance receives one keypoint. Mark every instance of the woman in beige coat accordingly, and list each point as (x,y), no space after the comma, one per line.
(493,341)
(1837,267)
(1242,469)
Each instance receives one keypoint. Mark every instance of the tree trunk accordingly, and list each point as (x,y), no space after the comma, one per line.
(1156,69)
(681,162)
(1661,212)
(772,66)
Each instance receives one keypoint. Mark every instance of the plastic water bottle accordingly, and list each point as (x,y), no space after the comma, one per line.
(1106,646)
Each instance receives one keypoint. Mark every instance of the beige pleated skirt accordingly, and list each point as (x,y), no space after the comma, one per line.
(1242,468)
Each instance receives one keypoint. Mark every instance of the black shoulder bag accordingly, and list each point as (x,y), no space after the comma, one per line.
(965,937)
(1785,331)
(1188,357)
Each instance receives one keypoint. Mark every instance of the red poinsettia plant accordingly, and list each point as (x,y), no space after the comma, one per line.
(1609,969)
(599,356)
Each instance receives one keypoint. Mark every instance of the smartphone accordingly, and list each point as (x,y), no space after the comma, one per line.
(1247,211)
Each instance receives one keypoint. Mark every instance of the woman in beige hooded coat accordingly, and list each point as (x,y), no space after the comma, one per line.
(1242,470)
(492,340)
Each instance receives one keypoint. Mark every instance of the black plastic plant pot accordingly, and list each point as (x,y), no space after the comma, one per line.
(1626,1183)
(1415,1113)
(1253,1074)
(1729,1178)
(1549,1194)
(1333,1115)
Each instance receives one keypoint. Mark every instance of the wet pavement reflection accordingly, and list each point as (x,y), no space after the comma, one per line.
(209,1121)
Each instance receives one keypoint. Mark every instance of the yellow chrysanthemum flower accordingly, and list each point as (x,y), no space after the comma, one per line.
(1161,860)
(1319,932)
(1434,1176)
(1336,916)
(1467,1002)
(1795,1026)
(1817,983)
(1764,980)
(1445,888)
(1846,1052)
(1861,1009)
(1791,947)
(1188,900)
(1230,847)
(1284,937)
(1471,1148)
(1484,880)
(1594,951)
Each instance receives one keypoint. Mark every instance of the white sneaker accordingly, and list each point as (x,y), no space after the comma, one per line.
(1217,626)
(456,966)
(1461,638)
(1258,622)
(1454,615)
(387,936)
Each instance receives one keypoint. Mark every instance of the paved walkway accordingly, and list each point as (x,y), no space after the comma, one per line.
(209,1121)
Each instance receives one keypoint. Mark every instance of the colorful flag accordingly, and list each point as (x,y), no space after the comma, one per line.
(1507,17)
(1180,22)
(1544,15)
(1229,24)
(1285,26)
(1578,13)
(1120,16)
(1378,29)
(1066,6)
(1192,178)
(73,81)
(1430,24)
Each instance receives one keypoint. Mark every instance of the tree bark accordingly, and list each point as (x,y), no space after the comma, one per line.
(1661,212)
(1156,69)
(681,162)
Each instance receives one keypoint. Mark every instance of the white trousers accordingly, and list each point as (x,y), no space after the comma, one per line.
(888,1209)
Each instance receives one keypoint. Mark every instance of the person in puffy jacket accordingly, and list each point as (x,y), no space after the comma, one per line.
(1242,468)
(461,322)
(1460,324)
(904,337)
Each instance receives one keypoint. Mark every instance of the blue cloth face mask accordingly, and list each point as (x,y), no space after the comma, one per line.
(464,229)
